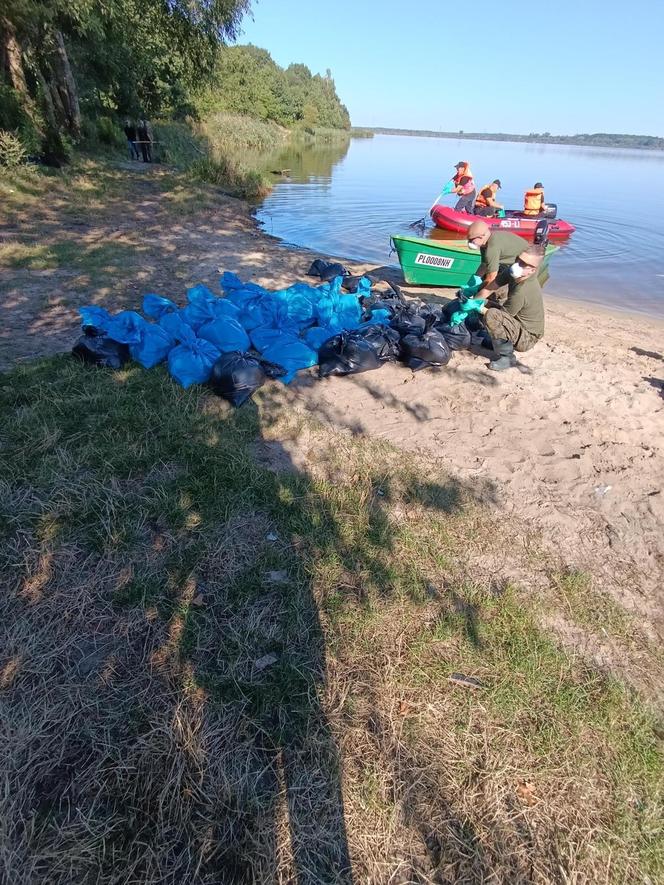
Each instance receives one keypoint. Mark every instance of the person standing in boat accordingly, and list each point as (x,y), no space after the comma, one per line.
(498,250)
(486,204)
(464,188)
(462,169)
(518,324)
(533,200)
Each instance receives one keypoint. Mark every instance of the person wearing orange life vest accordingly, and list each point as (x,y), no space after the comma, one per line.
(462,168)
(533,200)
(485,203)
(464,187)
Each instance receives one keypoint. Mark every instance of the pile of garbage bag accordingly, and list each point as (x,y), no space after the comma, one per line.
(237,340)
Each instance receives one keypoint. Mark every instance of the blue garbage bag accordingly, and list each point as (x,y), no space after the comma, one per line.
(153,348)
(126,327)
(292,354)
(380,315)
(349,312)
(336,310)
(155,306)
(226,334)
(223,307)
(316,336)
(230,282)
(191,361)
(198,309)
(263,337)
(294,306)
(175,325)
(94,318)
(363,287)
(328,296)
(255,313)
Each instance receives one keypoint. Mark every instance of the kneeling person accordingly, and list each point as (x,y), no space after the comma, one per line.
(518,324)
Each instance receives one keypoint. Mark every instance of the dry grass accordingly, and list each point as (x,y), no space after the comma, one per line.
(221,671)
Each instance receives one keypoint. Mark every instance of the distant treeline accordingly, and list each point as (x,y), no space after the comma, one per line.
(598,139)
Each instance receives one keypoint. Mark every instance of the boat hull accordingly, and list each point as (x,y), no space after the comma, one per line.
(448,263)
(447,219)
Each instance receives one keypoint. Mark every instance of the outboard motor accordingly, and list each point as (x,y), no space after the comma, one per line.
(550,210)
(541,237)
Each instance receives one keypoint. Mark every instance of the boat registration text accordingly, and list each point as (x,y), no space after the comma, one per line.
(433,260)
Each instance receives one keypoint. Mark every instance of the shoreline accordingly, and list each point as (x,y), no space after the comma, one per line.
(362,266)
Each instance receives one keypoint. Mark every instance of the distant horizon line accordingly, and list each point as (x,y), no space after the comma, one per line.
(597,139)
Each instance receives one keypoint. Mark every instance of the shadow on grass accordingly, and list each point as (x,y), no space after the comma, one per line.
(175,597)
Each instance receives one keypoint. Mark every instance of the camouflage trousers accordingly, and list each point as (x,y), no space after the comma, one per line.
(502,326)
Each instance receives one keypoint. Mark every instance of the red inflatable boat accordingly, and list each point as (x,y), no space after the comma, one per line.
(517,222)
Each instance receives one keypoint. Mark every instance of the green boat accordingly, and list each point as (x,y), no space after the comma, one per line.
(447,262)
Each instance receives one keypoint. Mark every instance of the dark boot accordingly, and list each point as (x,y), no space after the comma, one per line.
(505,358)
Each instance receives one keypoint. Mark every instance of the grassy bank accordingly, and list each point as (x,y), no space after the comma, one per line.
(242,648)
(224,150)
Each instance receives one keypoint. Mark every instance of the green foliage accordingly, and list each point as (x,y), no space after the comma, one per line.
(179,145)
(126,57)
(247,81)
(12,152)
(109,133)
(14,118)
(57,147)
(222,150)
(229,175)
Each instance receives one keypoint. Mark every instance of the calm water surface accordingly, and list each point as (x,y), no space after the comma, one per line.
(347,199)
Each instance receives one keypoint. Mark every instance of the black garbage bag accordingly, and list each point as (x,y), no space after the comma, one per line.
(473,322)
(424,351)
(392,299)
(450,308)
(98,350)
(360,350)
(235,376)
(457,337)
(343,355)
(431,312)
(350,283)
(384,341)
(326,270)
(407,321)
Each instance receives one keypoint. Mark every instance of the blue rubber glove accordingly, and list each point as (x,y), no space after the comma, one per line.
(471,305)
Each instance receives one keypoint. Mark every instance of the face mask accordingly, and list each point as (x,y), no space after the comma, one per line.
(473,246)
(516,271)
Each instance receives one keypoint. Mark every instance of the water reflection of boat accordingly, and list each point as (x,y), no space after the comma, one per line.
(524,225)
(444,262)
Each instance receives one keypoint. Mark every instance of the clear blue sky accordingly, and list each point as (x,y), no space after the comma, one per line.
(563,67)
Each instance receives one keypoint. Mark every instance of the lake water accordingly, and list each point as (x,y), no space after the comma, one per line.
(347,199)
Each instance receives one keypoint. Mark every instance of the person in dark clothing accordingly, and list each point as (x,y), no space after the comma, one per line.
(518,324)
(130,132)
(144,140)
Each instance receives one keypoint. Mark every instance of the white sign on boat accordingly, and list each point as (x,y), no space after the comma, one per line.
(433,260)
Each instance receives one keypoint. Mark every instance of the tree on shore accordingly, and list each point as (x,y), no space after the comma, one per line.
(63,58)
